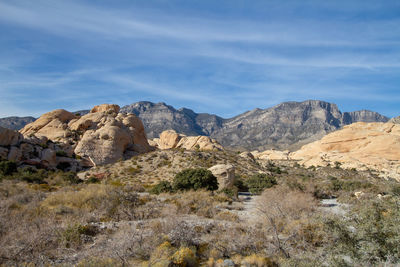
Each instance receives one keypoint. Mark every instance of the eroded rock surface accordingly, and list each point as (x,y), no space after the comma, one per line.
(225,174)
(360,145)
(170,139)
(102,136)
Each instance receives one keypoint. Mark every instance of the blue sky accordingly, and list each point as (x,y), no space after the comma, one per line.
(222,57)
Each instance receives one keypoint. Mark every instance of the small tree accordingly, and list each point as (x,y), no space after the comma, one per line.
(7,167)
(161,187)
(195,179)
(260,181)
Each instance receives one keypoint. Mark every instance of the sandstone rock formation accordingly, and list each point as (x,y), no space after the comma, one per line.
(101,136)
(225,175)
(360,145)
(395,120)
(170,139)
(52,125)
(247,155)
(271,154)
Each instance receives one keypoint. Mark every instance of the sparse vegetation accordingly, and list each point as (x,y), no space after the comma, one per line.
(108,218)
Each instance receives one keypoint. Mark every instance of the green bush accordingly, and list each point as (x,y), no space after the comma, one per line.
(7,167)
(93,180)
(260,181)
(161,187)
(240,184)
(31,175)
(230,192)
(70,177)
(195,179)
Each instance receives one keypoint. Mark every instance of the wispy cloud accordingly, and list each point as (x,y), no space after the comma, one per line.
(78,53)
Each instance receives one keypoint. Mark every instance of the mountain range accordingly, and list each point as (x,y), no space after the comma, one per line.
(288,125)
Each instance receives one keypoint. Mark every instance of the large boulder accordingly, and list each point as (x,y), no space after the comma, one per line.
(3,153)
(170,139)
(49,157)
(102,136)
(53,125)
(9,137)
(360,145)
(105,108)
(225,175)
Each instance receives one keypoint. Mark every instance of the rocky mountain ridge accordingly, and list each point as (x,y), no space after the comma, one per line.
(288,125)
(15,123)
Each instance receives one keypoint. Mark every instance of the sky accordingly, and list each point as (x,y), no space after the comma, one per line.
(223,57)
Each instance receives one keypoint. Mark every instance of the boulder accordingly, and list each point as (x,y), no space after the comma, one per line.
(105,108)
(52,125)
(14,154)
(104,145)
(170,139)
(3,153)
(49,156)
(9,137)
(225,175)
(27,150)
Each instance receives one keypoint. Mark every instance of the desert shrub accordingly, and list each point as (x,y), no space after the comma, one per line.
(273,168)
(92,180)
(105,201)
(258,261)
(161,187)
(240,184)
(227,216)
(61,153)
(100,262)
(230,192)
(72,235)
(195,179)
(31,175)
(7,167)
(161,255)
(260,181)
(184,257)
(370,234)
(63,166)
(70,177)
(396,190)
(202,203)
(286,213)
